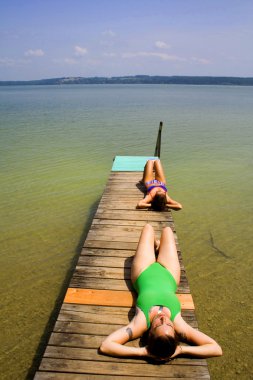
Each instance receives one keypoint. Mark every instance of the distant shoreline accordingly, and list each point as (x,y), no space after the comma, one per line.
(139,79)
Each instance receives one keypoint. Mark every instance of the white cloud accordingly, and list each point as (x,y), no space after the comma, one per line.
(162,45)
(7,62)
(80,51)
(167,57)
(34,53)
(162,56)
(202,61)
(10,62)
(109,33)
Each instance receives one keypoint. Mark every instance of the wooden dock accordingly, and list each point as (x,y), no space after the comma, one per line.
(100,297)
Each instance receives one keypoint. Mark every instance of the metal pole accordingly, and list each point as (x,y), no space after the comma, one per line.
(158,141)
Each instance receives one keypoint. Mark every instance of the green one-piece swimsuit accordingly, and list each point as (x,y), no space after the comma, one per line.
(156,287)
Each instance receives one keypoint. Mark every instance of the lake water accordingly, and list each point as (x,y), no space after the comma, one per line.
(58,142)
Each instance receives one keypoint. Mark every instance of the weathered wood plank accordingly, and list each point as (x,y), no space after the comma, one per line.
(78,376)
(110,244)
(115,234)
(122,229)
(119,272)
(100,252)
(93,354)
(90,311)
(123,273)
(104,310)
(75,340)
(111,283)
(73,327)
(95,314)
(144,215)
(115,225)
(116,275)
(121,369)
(109,261)
(118,185)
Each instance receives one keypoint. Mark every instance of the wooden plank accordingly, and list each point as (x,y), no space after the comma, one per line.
(100,252)
(110,244)
(126,175)
(76,353)
(112,273)
(121,369)
(112,225)
(116,234)
(97,253)
(122,230)
(71,376)
(117,272)
(114,298)
(110,261)
(77,376)
(80,281)
(75,340)
(109,314)
(125,222)
(144,215)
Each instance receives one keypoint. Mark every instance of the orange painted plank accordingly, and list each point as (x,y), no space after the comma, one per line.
(114,298)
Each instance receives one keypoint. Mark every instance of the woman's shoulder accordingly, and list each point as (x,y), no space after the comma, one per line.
(139,320)
(181,327)
(178,322)
(137,325)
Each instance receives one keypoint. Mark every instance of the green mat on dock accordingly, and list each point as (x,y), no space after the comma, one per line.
(130,163)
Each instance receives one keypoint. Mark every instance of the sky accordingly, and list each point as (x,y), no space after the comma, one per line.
(84,38)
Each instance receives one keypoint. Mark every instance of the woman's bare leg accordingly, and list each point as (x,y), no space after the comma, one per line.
(145,253)
(148,171)
(159,173)
(168,253)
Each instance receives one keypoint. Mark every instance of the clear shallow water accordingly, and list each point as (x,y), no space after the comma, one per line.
(52,139)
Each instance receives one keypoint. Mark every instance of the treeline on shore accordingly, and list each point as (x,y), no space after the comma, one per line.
(139,79)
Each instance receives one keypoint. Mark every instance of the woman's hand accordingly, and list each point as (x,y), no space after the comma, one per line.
(145,352)
(177,352)
(143,204)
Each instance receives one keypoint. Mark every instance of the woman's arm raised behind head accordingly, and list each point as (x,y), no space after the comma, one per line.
(199,344)
(114,344)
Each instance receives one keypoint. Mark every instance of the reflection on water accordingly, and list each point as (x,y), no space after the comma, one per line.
(57,146)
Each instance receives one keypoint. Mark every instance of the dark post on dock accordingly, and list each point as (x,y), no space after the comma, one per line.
(159,141)
(100,297)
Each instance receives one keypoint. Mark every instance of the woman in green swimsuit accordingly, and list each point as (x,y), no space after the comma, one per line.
(157,306)
(157,193)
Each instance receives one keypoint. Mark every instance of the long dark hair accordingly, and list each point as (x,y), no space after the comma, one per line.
(159,202)
(162,346)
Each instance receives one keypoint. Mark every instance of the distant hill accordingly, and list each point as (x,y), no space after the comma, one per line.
(138,79)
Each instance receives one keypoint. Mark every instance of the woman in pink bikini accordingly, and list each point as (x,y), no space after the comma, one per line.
(157,194)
